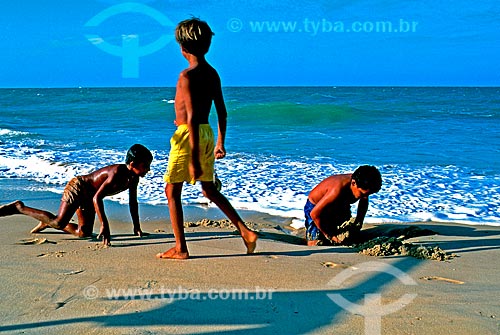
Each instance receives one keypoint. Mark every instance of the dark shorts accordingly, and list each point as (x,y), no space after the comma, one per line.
(80,194)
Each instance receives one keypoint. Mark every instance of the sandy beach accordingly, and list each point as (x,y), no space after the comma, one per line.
(54,283)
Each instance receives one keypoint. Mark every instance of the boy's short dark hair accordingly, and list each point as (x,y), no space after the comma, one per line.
(368,177)
(138,154)
(194,36)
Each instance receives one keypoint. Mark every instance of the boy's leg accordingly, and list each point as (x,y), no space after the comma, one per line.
(180,251)
(85,225)
(313,235)
(48,219)
(249,236)
(11,209)
(312,232)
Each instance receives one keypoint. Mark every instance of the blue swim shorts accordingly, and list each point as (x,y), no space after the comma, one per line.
(312,232)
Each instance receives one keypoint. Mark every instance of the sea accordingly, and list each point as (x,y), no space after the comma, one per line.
(437,148)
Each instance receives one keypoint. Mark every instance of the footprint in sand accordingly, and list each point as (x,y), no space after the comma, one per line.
(70,273)
(54,254)
(334,265)
(35,241)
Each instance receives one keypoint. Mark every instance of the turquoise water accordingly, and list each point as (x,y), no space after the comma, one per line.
(437,148)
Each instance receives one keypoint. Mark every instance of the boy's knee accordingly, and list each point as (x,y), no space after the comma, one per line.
(169,195)
(173,191)
(209,190)
(58,224)
(85,231)
(206,193)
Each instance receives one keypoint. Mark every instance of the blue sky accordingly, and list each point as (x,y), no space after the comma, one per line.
(257,43)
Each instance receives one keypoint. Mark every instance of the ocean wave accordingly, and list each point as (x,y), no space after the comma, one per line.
(12,133)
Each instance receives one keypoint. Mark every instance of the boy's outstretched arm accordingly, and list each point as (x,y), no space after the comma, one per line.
(362,209)
(99,209)
(220,107)
(134,209)
(317,214)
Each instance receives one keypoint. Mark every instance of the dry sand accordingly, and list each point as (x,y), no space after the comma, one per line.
(53,283)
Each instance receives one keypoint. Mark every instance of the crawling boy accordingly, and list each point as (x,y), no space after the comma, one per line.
(84,195)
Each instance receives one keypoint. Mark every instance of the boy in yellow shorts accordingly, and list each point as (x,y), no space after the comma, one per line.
(193,149)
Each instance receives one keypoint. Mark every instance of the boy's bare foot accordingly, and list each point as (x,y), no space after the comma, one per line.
(173,254)
(11,209)
(312,243)
(39,228)
(250,239)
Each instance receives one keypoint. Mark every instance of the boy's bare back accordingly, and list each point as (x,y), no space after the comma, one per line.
(333,190)
(198,86)
(113,179)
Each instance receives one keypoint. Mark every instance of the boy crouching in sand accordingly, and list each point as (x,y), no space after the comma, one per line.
(84,195)
(193,152)
(328,207)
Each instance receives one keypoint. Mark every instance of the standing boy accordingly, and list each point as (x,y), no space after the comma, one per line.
(193,152)
(328,207)
(84,195)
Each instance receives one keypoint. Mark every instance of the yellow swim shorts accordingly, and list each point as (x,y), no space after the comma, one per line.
(180,155)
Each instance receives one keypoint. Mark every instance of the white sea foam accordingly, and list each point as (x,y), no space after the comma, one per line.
(279,186)
(10,133)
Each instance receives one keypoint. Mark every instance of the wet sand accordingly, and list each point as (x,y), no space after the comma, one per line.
(55,283)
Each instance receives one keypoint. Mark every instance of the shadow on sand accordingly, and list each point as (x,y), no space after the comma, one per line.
(265,312)
(272,312)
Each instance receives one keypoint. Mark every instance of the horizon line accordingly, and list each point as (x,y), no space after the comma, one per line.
(259,86)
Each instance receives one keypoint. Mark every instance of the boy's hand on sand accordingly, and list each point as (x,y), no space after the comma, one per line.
(333,239)
(105,235)
(219,152)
